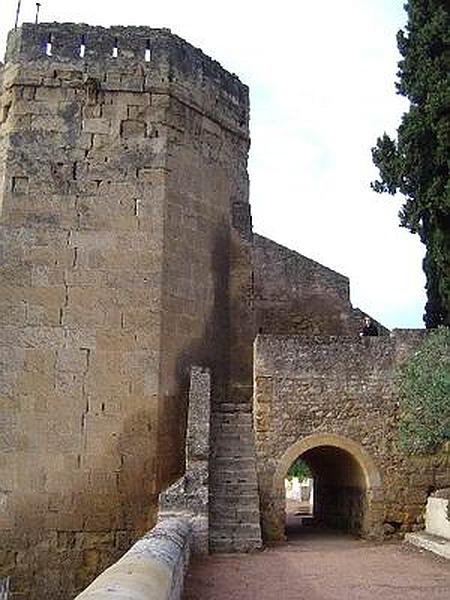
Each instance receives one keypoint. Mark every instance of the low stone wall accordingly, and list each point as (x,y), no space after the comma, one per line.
(436,536)
(437,521)
(153,569)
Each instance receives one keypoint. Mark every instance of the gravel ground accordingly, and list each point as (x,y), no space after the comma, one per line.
(321,566)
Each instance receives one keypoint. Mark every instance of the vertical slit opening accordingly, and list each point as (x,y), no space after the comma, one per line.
(148,52)
(82,47)
(48,45)
(115,51)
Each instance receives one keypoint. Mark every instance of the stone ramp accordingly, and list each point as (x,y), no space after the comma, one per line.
(234,501)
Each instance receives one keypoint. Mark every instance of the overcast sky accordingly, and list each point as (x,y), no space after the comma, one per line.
(321,79)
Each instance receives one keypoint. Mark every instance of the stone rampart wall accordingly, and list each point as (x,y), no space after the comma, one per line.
(296,295)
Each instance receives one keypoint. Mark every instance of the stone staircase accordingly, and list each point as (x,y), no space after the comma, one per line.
(234,499)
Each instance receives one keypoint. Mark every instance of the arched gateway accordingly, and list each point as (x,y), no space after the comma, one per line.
(347,483)
(332,401)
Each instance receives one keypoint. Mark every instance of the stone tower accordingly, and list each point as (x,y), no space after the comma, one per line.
(126,258)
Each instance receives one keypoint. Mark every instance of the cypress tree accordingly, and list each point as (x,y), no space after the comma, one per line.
(416,163)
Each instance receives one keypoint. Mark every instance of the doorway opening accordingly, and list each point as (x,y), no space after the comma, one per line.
(331,492)
(299,489)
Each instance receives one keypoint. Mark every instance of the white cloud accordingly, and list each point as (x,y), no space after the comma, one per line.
(321,77)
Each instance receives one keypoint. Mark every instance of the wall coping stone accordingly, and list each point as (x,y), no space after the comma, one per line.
(153,568)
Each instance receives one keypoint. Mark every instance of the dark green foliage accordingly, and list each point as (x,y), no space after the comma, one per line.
(299,469)
(417,162)
(423,383)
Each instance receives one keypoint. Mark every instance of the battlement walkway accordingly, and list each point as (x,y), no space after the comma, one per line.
(321,566)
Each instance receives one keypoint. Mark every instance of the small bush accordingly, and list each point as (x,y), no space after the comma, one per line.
(299,469)
(423,383)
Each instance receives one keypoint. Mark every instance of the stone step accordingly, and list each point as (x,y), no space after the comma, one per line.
(232,492)
(232,418)
(249,516)
(234,463)
(234,476)
(230,439)
(248,486)
(231,452)
(225,445)
(234,499)
(226,545)
(432,543)
(230,407)
(242,429)
(234,435)
(229,471)
(225,502)
(244,488)
(237,531)
(228,426)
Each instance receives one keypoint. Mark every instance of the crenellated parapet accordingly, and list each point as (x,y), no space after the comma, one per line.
(137,59)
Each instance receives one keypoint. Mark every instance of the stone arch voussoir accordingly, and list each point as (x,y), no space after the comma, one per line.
(370,470)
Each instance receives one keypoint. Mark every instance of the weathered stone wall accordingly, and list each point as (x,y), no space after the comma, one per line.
(338,393)
(296,295)
(119,188)
(156,565)
(207,161)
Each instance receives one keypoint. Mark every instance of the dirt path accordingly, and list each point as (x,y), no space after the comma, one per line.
(322,567)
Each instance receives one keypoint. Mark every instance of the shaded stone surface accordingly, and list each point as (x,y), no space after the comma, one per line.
(189,496)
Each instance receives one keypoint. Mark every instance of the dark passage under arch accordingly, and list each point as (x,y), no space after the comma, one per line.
(340,490)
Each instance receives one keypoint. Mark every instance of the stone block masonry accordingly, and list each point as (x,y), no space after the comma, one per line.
(294,295)
(332,401)
(123,157)
(128,256)
(155,567)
